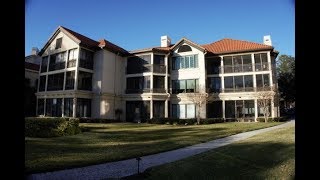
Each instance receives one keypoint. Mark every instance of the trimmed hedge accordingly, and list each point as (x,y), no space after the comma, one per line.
(51,127)
(190,121)
(276,119)
(98,120)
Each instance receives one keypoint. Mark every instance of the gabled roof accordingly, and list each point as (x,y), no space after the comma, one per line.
(84,41)
(185,40)
(31,66)
(112,47)
(231,45)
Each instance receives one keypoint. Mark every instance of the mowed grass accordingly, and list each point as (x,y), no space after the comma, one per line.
(118,141)
(269,155)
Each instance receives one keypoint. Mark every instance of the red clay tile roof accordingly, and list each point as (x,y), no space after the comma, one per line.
(84,40)
(158,49)
(112,47)
(231,45)
(31,66)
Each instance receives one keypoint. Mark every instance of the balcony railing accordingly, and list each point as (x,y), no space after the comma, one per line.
(157,68)
(237,68)
(140,91)
(54,87)
(71,63)
(57,66)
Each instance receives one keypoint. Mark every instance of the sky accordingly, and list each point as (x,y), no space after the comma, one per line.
(137,24)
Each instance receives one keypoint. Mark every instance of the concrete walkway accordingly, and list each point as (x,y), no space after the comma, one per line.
(129,167)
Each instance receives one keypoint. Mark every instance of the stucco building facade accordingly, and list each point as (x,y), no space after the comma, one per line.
(81,77)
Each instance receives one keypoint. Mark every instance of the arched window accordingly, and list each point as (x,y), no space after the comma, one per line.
(184,48)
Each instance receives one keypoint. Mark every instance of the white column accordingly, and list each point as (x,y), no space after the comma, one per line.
(77,71)
(166,77)
(151,108)
(272,107)
(270,69)
(223,109)
(255,110)
(46,84)
(74,107)
(166,109)
(151,76)
(62,107)
(253,63)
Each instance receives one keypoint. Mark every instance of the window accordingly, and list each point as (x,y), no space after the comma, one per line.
(248,82)
(214,84)
(230,109)
(68,107)
(44,64)
(138,84)
(57,61)
(86,59)
(214,109)
(249,108)
(158,82)
(263,82)
(184,48)
(238,83)
(70,79)
(54,107)
(213,65)
(83,107)
(55,82)
(184,62)
(158,109)
(140,64)
(182,86)
(158,59)
(228,84)
(58,43)
(72,59)
(40,107)
(183,111)
(261,112)
(42,84)
(239,63)
(84,81)
(261,62)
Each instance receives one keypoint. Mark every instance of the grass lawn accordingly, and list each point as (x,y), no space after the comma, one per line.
(269,155)
(118,141)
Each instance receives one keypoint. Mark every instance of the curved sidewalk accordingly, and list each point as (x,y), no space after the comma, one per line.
(129,167)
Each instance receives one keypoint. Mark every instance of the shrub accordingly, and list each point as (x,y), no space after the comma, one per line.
(276,119)
(172,121)
(97,120)
(51,127)
(212,120)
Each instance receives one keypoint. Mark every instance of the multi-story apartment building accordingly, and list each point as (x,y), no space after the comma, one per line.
(81,77)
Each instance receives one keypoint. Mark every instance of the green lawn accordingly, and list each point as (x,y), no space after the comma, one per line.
(112,142)
(266,156)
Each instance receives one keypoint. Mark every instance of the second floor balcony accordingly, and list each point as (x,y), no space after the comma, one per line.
(156,68)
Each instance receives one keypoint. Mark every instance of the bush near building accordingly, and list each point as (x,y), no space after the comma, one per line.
(51,127)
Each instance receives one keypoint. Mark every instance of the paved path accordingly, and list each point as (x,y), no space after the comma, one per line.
(129,167)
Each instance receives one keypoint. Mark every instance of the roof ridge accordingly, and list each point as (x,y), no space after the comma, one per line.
(74,32)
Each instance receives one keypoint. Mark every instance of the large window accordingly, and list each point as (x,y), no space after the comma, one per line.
(263,82)
(70,79)
(214,84)
(57,61)
(58,43)
(158,109)
(84,81)
(261,62)
(40,107)
(158,84)
(54,107)
(235,64)
(140,64)
(44,64)
(159,64)
(214,109)
(138,84)
(213,65)
(86,59)
(238,83)
(55,82)
(72,59)
(185,86)
(239,109)
(137,111)
(83,107)
(42,84)
(184,62)
(183,111)
(68,107)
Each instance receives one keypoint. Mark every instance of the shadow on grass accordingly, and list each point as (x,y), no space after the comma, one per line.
(237,161)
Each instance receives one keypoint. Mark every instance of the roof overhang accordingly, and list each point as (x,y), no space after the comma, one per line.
(187,41)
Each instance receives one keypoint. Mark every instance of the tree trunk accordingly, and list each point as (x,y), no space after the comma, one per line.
(198,116)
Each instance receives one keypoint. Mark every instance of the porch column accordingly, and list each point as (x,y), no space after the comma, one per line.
(151,108)
(62,107)
(223,109)
(255,110)
(74,107)
(166,109)
(272,107)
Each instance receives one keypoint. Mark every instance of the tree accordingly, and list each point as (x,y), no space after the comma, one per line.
(199,99)
(264,102)
(286,78)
